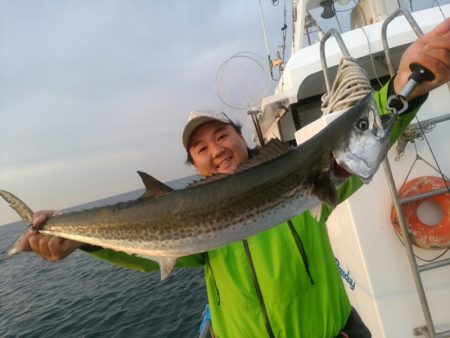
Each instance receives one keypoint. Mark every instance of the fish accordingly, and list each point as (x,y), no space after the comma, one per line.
(268,189)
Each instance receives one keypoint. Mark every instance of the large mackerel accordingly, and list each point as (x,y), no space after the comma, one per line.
(276,185)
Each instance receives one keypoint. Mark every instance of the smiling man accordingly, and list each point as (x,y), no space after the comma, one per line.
(214,143)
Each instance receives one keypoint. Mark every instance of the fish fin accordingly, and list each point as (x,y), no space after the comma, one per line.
(316,212)
(14,248)
(24,212)
(166,265)
(325,189)
(20,207)
(273,150)
(153,187)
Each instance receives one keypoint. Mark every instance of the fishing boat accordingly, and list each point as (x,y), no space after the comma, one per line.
(399,289)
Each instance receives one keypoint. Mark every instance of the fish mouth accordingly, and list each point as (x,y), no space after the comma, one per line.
(362,170)
(364,167)
(370,171)
(343,170)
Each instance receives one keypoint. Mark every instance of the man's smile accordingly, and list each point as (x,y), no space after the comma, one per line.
(225,163)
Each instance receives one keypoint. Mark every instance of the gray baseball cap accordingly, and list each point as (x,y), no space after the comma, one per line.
(197,118)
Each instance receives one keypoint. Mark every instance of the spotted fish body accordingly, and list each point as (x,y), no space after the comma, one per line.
(165,224)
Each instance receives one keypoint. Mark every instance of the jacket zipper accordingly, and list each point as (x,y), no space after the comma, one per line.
(258,290)
(214,278)
(301,249)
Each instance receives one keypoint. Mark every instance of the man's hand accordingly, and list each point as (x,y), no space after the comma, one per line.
(50,248)
(432,51)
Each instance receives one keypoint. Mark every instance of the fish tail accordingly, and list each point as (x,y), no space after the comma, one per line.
(24,212)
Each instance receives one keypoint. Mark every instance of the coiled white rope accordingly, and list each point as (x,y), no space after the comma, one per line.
(349,87)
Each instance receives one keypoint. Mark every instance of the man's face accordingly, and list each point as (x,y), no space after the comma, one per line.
(217,148)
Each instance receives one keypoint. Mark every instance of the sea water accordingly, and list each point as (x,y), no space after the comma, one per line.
(82,296)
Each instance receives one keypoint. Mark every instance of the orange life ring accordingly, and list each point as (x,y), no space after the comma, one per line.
(423,235)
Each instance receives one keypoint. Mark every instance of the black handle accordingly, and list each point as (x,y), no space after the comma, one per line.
(398,103)
(420,73)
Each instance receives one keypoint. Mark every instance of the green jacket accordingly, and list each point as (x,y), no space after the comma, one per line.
(299,291)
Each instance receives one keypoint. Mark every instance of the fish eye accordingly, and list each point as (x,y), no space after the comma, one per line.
(362,124)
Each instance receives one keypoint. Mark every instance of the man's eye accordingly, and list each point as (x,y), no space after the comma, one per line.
(201,150)
(222,137)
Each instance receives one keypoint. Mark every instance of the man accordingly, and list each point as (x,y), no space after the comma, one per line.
(282,282)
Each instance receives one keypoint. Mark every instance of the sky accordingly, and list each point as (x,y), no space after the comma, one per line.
(92,91)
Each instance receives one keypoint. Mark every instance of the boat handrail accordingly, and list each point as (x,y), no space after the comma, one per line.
(323,60)
(384,41)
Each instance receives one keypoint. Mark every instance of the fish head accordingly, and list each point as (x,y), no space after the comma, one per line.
(365,144)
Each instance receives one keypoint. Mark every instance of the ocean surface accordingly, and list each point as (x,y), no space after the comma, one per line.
(82,296)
